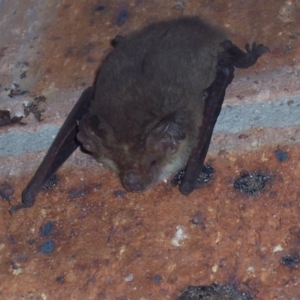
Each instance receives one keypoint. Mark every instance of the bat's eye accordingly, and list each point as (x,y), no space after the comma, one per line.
(152,162)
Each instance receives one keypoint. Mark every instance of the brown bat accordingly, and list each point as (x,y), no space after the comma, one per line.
(153,106)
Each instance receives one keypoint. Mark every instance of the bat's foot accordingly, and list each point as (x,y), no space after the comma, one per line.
(256,50)
(202,179)
(241,59)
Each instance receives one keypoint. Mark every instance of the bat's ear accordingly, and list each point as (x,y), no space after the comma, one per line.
(165,136)
(92,131)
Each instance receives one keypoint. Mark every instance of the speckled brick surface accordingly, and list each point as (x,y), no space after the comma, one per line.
(87,238)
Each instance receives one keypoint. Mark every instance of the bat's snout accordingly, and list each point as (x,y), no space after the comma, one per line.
(133,181)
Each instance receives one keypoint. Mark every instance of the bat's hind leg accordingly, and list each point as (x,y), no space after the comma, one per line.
(230,58)
(62,147)
(213,105)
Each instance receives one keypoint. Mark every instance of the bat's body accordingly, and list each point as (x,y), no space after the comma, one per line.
(147,110)
(153,106)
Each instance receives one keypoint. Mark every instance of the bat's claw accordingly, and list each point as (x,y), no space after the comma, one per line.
(256,50)
(17,207)
(27,201)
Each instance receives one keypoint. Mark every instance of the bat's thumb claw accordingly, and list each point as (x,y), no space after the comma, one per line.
(17,207)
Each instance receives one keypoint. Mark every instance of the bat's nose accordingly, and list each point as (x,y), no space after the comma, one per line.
(133,181)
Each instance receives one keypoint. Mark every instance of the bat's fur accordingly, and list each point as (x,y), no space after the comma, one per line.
(143,121)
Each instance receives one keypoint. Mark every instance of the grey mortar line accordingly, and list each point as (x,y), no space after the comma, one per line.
(233,119)
(277,113)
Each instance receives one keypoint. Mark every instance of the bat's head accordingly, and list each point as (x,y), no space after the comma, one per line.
(141,160)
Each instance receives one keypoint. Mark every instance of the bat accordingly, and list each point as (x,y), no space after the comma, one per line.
(153,106)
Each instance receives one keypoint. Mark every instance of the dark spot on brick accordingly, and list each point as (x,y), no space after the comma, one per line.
(21,258)
(101,296)
(39,98)
(60,279)
(295,230)
(157,279)
(6,191)
(273,194)
(251,184)
(177,180)
(106,262)
(202,179)
(11,239)
(179,5)
(69,51)
(100,7)
(5,118)
(222,262)
(277,51)
(289,260)
(46,229)
(205,175)
(31,242)
(164,292)
(125,228)
(281,155)
(51,182)
(66,6)
(243,136)
(24,66)
(198,219)
(122,17)
(120,193)
(214,292)
(288,47)
(2,51)
(23,75)
(90,59)
(15,90)
(14,265)
(47,247)
(86,49)
(34,107)
(76,193)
